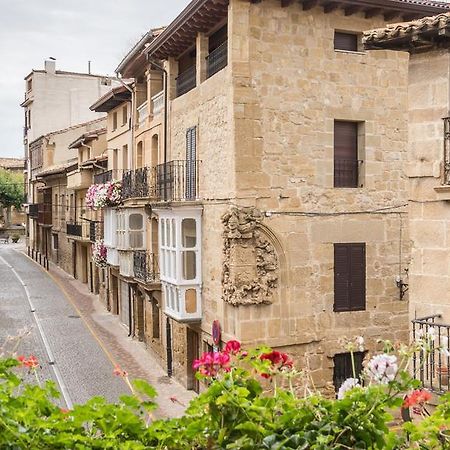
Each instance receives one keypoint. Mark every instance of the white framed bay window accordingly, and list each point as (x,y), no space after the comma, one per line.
(130,229)
(180,262)
(110,235)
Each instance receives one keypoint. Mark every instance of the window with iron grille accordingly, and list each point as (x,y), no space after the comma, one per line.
(191,163)
(349,277)
(343,368)
(346,162)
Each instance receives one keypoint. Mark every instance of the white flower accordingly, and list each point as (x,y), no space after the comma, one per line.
(360,343)
(346,386)
(431,333)
(382,368)
(445,348)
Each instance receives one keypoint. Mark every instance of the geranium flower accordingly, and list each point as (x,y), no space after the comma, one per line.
(417,397)
(382,368)
(346,386)
(31,362)
(232,347)
(210,363)
(278,361)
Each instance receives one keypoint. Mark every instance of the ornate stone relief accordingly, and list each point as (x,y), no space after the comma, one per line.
(250,270)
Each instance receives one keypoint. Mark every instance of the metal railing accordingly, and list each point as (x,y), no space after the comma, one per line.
(158,102)
(431,365)
(101,178)
(186,80)
(135,183)
(74,229)
(45,214)
(217,59)
(177,180)
(145,266)
(33,210)
(346,172)
(446,150)
(95,230)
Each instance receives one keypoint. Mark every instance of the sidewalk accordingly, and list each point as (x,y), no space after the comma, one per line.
(129,354)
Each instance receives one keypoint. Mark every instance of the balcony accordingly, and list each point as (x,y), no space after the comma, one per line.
(158,103)
(177,180)
(346,173)
(432,368)
(145,266)
(79,179)
(104,177)
(74,229)
(33,210)
(217,59)
(142,114)
(45,214)
(95,230)
(135,183)
(186,81)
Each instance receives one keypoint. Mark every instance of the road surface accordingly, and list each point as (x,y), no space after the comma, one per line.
(66,349)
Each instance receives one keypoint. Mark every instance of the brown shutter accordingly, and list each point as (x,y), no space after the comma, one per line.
(349,277)
(341,278)
(345,41)
(357,277)
(345,154)
(343,367)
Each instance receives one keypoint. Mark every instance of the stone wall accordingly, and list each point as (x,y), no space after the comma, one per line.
(429,209)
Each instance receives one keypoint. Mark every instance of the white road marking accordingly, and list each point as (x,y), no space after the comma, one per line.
(51,358)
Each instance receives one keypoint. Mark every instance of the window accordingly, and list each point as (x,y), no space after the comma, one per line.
(29,85)
(180,262)
(155,320)
(343,367)
(349,277)
(125,157)
(217,58)
(136,230)
(130,229)
(346,41)
(140,155)
(55,242)
(114,121)
(124,115)
(346,163)
(191,163)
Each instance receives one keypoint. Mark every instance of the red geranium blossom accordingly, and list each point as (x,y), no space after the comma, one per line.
(31,362)
(210,363)
(232,347)
(277,360)
(417,397)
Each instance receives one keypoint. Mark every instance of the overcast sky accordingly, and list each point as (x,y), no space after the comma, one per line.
(73,32)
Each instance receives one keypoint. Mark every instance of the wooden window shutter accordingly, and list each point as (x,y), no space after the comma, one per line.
(349,277)
(343,367)
(345,41)
(345,154)
(191,163)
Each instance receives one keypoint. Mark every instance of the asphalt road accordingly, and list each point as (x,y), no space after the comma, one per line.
(68,352)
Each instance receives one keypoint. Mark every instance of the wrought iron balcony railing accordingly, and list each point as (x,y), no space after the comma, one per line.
(347,172)
(145,266)
(33,210)
(95,230)
(186,81)
(135,183)
(217,59)
(177,180)
(101,178)
(74,229)
(431,367)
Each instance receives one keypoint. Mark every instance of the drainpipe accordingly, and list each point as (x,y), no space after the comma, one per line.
(164,71)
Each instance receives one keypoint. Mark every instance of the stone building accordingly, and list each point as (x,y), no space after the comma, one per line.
(56,100)
(426,44)
(270,162)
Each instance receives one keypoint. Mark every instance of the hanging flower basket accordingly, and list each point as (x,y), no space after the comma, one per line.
(105,194)
(99,253)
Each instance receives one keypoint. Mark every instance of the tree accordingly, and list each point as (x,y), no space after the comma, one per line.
(11,189)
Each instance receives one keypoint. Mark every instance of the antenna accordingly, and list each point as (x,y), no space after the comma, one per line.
(89,67)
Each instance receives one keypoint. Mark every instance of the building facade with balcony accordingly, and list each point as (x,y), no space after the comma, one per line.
(286,220)
(426,42)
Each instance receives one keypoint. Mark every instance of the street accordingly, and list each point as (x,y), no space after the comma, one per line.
(67,351)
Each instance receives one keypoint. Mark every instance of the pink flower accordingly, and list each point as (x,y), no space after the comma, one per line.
(232,347)
(31,362)
(278,361)
(210,363)
(417,397)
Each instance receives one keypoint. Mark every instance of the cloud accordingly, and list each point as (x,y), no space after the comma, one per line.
(73,32)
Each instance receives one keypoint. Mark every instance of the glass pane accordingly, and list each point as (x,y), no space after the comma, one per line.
(177,301)
(168,243)
(188,233)
(136,239)
(163,232)
(174,239)
(191,301)
(136,221)
(189,265)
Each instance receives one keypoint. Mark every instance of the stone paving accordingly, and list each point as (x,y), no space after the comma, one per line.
(129,354)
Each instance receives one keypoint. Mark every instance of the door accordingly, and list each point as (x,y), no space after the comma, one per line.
(193,349)
(191,163)
(124,312)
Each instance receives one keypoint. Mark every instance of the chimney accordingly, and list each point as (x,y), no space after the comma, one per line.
(50,66)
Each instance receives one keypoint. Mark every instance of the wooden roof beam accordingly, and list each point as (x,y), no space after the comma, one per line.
(372,12)
(391,15)
(349,10)
(285,3)
(309,4)
(330,7)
